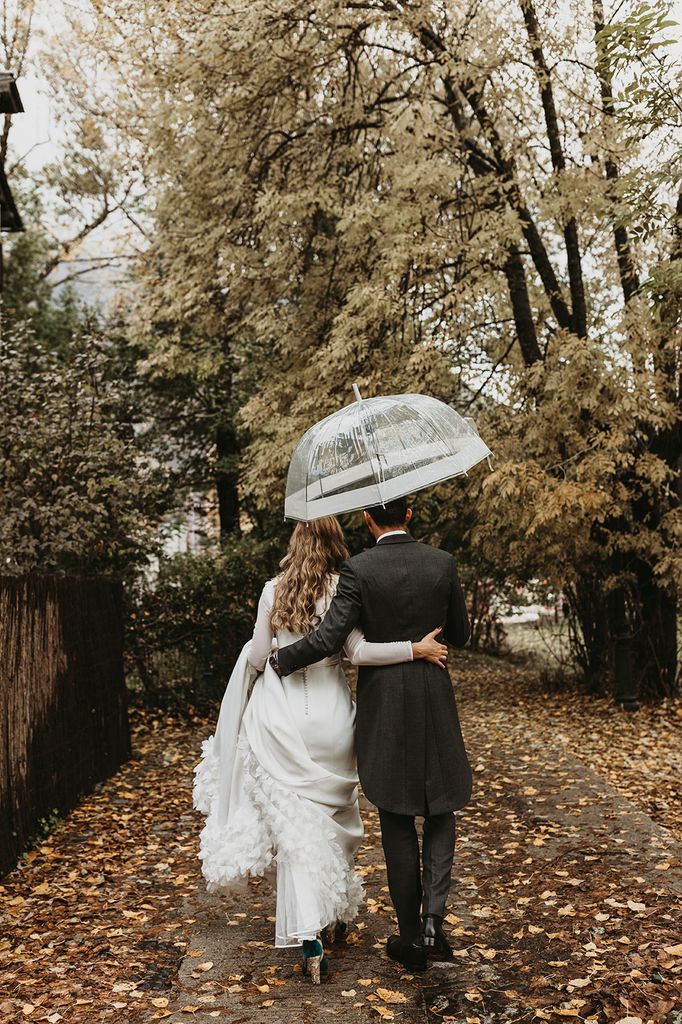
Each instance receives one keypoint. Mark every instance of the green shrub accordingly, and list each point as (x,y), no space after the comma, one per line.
(78,492)
(187,626)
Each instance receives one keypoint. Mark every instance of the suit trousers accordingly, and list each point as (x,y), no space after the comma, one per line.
(413,885)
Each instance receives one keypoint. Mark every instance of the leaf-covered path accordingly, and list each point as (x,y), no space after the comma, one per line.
(566,898)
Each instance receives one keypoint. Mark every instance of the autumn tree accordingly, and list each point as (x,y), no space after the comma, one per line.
(468,201)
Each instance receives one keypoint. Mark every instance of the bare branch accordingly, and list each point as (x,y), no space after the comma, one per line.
(101,265)
(66,248)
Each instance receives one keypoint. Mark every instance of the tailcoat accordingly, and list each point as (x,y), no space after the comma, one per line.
(410,750)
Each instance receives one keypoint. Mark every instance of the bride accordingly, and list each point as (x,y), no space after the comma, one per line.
(278,781)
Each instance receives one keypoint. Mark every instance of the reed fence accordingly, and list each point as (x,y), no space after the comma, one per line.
(63,708)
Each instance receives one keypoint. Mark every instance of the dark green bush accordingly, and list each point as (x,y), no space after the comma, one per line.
(186,627)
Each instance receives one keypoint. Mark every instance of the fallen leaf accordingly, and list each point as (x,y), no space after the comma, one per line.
(489,954)
(389,996)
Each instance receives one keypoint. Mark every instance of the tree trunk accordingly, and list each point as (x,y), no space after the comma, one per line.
(226,479)
(544,77)
(629,278)
(625,691)
(655,646)
(588,610)
(656,639)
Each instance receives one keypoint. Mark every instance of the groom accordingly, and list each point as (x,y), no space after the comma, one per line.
(411,757)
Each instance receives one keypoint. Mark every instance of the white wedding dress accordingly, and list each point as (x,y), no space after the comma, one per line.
(278,780)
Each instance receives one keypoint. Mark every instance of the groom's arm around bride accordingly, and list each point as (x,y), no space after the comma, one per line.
(346,609)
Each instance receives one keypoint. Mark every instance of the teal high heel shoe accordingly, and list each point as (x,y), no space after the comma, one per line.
(315,960)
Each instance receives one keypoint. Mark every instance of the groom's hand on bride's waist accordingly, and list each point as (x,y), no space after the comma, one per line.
(431,649)
(274,663)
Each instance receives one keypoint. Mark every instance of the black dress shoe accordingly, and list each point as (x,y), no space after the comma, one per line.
(435,942)
(410,954)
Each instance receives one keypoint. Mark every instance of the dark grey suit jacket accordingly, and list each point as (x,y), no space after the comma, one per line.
(411,756)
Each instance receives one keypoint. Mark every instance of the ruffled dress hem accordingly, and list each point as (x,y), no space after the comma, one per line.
(316,883)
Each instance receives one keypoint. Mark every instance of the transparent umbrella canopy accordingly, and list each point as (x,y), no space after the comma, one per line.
(378,449)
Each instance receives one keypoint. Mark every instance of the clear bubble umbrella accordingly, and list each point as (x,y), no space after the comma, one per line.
(378,449)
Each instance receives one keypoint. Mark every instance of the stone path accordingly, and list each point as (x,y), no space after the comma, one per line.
(566,897)
(566,903)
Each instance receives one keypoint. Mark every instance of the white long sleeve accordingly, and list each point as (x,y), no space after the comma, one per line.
(362,652)
(357,649)
(261,646)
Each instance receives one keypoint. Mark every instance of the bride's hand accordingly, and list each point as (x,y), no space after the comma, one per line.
(430,649)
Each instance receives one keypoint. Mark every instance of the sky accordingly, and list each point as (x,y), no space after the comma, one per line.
(33,135)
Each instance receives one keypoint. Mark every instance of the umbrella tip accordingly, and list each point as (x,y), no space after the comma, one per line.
(356,392)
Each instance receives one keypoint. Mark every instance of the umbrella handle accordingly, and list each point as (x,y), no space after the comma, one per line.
(380,474)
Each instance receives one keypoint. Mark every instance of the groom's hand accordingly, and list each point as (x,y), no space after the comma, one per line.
(429,649)
(274,663)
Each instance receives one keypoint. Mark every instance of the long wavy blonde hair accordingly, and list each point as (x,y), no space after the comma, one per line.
(316,550)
